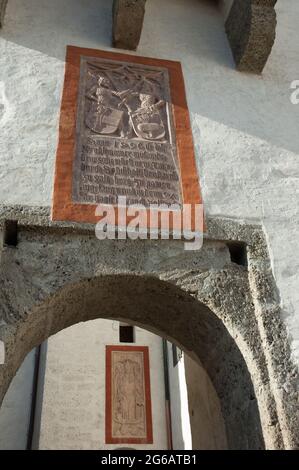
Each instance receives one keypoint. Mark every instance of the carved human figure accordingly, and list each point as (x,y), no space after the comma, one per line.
(104,117)
(128,392)
(126,106)
(147,121)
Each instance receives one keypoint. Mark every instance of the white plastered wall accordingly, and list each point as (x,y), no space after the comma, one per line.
(245,126)
(71,408)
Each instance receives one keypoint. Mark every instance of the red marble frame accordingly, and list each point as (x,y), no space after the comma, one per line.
(63,207)
(108,406)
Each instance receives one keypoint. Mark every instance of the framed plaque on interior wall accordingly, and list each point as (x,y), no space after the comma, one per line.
(124,131)
(128,395)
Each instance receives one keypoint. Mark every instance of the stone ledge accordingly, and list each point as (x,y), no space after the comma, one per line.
(218,228)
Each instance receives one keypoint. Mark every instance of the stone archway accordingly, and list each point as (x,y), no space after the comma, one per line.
(167,310)
(215,309)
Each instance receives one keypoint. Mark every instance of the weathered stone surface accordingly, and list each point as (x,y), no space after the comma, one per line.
(127,23)
(225,316)
(3,4)
(250,29)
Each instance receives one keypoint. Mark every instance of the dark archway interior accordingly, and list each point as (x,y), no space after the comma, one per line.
(166,310)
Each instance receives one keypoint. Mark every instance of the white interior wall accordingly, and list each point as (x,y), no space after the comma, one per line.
(72,406)
(197,421)
(180,422)
(206,420)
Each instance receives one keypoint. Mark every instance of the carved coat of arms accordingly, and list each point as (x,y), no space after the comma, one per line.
(103,120)
(125,103)
(147,121)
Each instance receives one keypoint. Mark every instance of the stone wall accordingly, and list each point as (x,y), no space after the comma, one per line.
(244,126)
(247,153)
(225,315)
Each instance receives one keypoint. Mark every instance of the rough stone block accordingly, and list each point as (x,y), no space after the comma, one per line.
(127,23)
(250,29)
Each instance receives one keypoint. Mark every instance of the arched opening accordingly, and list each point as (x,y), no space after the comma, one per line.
(162,308)
(58,398)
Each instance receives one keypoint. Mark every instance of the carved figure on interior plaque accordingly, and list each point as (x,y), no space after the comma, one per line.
(128,390)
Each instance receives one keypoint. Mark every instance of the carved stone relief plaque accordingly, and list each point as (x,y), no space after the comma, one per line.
(124,131)
(128,413)
(125,135)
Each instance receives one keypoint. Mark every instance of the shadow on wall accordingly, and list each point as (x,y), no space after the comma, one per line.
(16,408)
(49,26)
(207,426)
(256,105)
